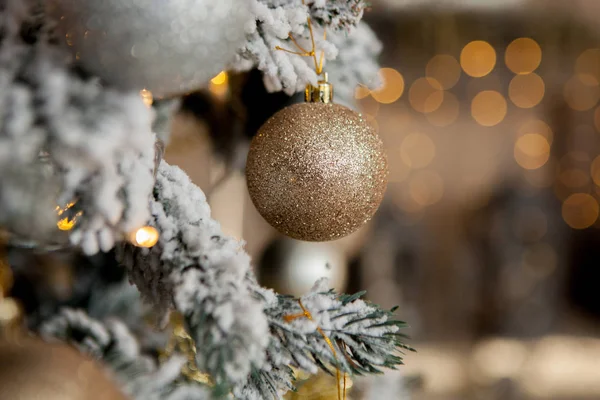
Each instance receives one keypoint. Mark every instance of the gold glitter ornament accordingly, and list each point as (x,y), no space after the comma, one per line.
(316,171)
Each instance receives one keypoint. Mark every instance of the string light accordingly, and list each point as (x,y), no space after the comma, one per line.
(68,222)
(147,97)
(478,58)
(146,236)
(219,85)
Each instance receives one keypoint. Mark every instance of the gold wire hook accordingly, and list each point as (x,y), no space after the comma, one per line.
(305,53)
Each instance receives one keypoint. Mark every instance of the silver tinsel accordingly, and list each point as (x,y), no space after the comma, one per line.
(168,47)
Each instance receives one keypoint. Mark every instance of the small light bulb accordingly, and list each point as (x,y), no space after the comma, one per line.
(145,237)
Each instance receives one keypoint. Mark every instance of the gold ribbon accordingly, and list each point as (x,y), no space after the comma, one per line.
(341,390)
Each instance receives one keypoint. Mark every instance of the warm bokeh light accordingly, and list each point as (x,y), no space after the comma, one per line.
(445,69)
(447,112)
(537,126)
(595,170)
(488,82)
(597,119)
(426,95)
(587,67)
(532,151)
(369,107)
(147,97)
(399,170)
(526,91)
(220,79)
(146,236)
(478,58)
(361,92)
(523,56)
(219,84)
(579,95)
(488,108)
(417,150)
(580,210)
(392,86)
(574,178)
(426,187)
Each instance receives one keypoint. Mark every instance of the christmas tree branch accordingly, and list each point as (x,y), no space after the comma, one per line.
(242,337)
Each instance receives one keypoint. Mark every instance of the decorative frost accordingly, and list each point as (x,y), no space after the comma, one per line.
(275,21)
(239,328)
(198,271)
(112,343)
(98,140)
(355,64)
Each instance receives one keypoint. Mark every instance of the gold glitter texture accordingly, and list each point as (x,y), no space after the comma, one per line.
(316,172)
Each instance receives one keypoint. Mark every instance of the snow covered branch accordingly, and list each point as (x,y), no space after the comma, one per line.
(98,140)
(277,22)
(111,342)
(242,338)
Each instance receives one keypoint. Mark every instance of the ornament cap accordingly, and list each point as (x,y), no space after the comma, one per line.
(322,93)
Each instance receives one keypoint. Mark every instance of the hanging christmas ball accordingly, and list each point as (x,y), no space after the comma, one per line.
(166,47)
(292,267)
(316,171)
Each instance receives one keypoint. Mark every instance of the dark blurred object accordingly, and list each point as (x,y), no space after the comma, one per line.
(34,370)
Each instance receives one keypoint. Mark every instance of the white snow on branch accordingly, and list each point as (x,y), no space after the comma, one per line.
(201,273)
(112,343)
(275,21)
(98,139)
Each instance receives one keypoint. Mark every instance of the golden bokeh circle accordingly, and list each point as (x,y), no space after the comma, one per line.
(579,95)
(445,69)
(580,210)
(361,91)
(488,108)
(417,150)
(587,67)
(532,151)
(523,55)
(537,126)
(478,58)
(447,113)
(526,91)
(595,170)
(426,95)
(392,86)
(426,188)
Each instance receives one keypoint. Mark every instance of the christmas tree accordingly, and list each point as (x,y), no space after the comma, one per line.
(88,88)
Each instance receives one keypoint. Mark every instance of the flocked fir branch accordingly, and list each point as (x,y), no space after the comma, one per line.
(138,375)
(283,24)
(98,140)
(241,334)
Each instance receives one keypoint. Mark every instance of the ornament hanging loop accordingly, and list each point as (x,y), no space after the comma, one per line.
(322,93)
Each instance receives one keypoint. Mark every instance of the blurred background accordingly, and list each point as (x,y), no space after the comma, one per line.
(489,236)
